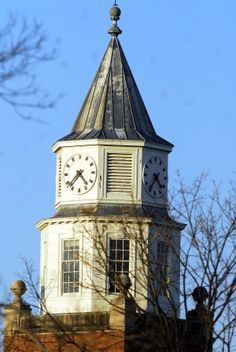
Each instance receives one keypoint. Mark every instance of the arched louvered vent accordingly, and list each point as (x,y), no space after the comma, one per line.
(59,173)
(119,172)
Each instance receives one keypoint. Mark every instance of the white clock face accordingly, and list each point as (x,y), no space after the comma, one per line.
(80,173)
(155,176)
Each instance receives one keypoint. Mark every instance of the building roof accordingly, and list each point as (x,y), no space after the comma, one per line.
(113,108)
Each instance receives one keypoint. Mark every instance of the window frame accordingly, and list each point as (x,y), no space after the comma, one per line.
(75,263)
(163,268)
(122,261)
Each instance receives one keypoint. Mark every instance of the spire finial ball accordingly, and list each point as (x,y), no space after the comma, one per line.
(200,294)
(18,288)
(115,13)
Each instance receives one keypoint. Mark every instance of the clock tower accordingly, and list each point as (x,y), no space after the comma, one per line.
(111,211)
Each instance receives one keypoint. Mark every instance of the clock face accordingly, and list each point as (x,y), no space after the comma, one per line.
(80,173)
(155,176)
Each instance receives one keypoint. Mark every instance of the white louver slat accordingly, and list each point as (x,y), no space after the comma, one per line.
(59,172)
(119,172)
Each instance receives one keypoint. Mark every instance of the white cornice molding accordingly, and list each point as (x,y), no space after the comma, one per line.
(109,142)
(89,218)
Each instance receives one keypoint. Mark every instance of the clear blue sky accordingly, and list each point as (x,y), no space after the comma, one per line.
(183,56)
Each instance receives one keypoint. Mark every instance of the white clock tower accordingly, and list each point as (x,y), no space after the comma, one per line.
(111,214)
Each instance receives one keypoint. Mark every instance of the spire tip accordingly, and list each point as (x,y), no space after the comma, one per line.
(115,13)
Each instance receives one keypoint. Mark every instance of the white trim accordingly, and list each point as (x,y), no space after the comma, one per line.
(110,142)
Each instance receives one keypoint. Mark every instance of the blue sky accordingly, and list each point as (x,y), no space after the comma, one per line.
(182,54)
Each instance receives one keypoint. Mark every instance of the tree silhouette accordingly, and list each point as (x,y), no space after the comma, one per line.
(22,48)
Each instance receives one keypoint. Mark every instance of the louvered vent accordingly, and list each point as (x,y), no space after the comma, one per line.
(59,171)
(119,172)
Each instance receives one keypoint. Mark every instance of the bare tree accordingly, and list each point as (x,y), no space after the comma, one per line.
(207,259)
(208,251)
(22,48)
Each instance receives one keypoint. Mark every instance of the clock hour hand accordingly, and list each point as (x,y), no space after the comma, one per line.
(158,181)
(82,177)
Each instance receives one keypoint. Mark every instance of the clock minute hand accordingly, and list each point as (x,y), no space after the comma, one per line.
(151,185)
(77,175)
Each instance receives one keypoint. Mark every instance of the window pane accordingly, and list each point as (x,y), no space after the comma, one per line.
(70,255)
(71,277)
(75,255)
(125,267)
(126,255)
(119,255)
(66,245)
(71,266)
(126,244)
(118,266)
(112,244)
(65,267)
(111,267)
(112,254)
(119,244)
(66,277)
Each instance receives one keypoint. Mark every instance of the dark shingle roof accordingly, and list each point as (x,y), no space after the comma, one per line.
(113,108)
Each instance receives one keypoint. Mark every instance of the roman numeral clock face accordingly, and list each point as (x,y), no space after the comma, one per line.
(80,173)
(155,177)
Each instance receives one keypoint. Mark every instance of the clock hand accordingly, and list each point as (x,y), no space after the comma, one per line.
(85,182)
(151,185)
(77,175)
(158,181)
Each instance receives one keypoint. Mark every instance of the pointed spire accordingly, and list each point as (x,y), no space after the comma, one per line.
(115,13)
(113,108)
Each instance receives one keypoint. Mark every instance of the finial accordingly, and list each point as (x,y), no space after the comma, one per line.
(18,288)
(200,295)
(115,13)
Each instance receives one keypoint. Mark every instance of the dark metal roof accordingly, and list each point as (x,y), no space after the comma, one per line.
(113,108)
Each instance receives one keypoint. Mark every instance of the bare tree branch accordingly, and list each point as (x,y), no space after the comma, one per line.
(22,48)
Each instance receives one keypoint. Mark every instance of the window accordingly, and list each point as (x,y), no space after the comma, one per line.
(162,268)
(118,261)
(70,267)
